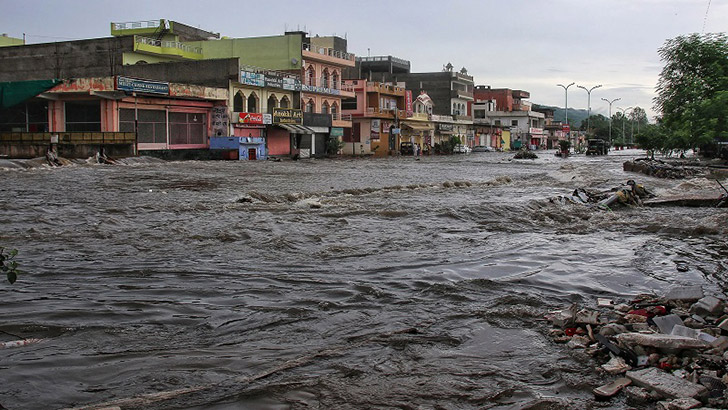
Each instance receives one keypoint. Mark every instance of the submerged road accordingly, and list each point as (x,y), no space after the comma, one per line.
(327,283)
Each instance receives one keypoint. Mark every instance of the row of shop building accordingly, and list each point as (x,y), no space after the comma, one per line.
(168,89)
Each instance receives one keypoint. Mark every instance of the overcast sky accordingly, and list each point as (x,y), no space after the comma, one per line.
(518,44)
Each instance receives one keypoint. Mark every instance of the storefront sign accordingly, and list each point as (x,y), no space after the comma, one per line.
(337,132)
(250,118)
(287,116)
(376,127)
(274,81)
(408,103)
(254,79)
(396,131)
(321,90)
(141,86)
(291,84)
(445,127)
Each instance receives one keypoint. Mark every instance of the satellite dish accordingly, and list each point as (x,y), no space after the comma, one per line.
(294,61)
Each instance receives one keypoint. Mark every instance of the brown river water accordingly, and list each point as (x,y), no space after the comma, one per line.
(343,283)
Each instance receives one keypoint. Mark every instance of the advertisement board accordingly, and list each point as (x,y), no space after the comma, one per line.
(408,103)
(141,86)
(250,118)
(250,78)
(287,116)
(376,127)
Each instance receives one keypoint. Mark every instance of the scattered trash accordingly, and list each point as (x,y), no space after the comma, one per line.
(671,349)
(525,154)
(18,343)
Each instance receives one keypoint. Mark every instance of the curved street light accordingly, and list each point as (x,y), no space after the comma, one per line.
(624,115)
(588,104)
(566,102)
(610,116)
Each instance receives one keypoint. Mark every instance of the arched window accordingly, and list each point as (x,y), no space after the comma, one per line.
(284,102)
(238,102)
(311,76)
(253,103)
(325,78)
(325,108)
(335,80)
(455,108)
(310,106)
(334,111)
(272,102)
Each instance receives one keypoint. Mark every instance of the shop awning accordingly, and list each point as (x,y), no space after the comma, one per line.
(418,127)
(15,92)
(296,129)
(319,130)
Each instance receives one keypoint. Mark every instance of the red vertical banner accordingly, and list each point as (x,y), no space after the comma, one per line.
(408,103)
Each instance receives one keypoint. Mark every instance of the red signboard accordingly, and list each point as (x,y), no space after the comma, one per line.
(565,128)
(408,103)
(250,118)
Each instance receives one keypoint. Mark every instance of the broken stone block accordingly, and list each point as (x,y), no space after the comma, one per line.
(724,325)
(666,323)
(684,293)
(578,342)
(679,404)
(641,327)
(610,389)
(680,330)
(661,341)
(666,384)
(616,365)
(604,302)
(586,316)
(708,305)
(563,318)
(720,344)
(612,329)
(638,395)
(623,307)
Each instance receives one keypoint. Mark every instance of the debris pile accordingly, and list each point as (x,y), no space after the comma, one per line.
(630,194)
(660,169)
(670,349)
(525,154)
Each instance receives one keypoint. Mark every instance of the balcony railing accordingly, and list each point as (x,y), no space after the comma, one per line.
(260,70)
(168,44)
(340,117)
(384,88)
(328,52)
(386,58)
(132,25)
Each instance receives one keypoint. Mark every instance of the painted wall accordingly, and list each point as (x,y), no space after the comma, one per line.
(279,142)
(6,41)
(274,52)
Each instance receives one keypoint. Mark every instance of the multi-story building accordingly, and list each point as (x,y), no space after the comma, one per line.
(450,92)
(376,111)
(507,108)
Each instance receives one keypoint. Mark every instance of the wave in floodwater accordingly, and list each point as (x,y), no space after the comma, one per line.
(333,284)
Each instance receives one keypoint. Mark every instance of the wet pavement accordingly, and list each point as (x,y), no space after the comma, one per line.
(348,283)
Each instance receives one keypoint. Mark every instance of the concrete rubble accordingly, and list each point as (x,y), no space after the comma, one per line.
(668,352)
(660,169)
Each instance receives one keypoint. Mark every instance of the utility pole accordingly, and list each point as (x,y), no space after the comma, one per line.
(624,117)
(588,104)
(610,116)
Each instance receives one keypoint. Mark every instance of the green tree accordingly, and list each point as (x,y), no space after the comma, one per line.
(691,88)
(599,126)
(651,138)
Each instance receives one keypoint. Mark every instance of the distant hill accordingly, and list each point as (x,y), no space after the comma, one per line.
(575,116)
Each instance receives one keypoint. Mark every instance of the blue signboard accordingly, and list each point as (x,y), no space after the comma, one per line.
(141,86)
(254,79)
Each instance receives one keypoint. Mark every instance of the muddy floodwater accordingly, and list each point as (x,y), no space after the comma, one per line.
(344,283)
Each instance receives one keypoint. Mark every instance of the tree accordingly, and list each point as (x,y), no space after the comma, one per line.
(599,126)
(651,138)
(691,88)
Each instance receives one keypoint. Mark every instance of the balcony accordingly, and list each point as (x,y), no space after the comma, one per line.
(328,55)
(374,87)
(462,94)
(139,27)
(341,120)
(385,113)
(172,49)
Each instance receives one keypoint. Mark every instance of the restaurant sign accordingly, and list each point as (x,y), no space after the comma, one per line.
(141,86)
(287,116)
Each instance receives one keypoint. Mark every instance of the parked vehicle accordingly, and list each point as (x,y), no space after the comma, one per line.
(406,148)
(462,149)
(596,147)
(483,148)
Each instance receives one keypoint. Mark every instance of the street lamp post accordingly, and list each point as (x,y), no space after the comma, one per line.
(588,104)
(624,116)
(566,101)
(610,116)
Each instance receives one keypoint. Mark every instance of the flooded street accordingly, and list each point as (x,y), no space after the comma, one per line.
(327,283)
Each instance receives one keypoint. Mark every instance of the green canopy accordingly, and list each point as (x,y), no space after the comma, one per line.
(16,92)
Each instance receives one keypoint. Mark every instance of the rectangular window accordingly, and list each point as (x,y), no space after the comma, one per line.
(497,122)
(187,128)
(479,113)
(84,116)
(348,104)
(152,125)
(514,123)
(28,117)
